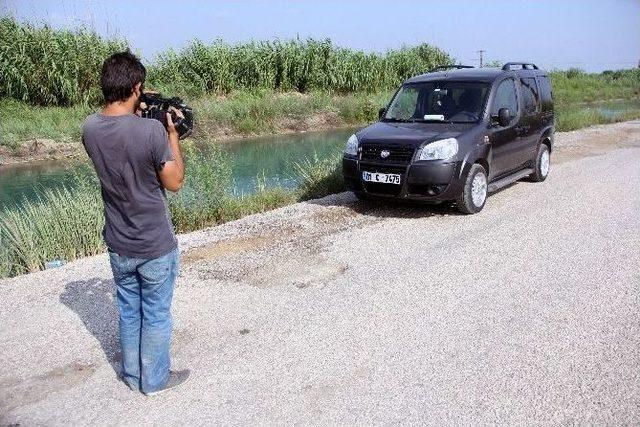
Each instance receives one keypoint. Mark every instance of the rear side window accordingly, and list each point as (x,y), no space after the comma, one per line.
(506,98)
(546,96)
(530,95)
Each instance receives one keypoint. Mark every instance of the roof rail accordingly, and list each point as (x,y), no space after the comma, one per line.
(447,67)
(524,65)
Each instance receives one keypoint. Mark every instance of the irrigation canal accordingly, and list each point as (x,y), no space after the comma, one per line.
(266,159)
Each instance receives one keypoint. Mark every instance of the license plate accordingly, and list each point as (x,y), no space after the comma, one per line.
(384,178)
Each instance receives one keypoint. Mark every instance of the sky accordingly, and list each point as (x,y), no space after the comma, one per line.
(589,34)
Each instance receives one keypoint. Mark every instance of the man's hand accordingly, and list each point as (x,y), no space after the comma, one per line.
(171,129)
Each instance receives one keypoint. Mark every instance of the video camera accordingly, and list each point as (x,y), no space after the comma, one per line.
(154,106)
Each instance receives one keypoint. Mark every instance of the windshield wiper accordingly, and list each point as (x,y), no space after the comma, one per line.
(396,120)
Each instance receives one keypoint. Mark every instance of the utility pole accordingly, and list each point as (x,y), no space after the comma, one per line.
(481,52)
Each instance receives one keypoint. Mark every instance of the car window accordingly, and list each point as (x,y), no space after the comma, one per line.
(506,98)
(530,95)
(439,101)
(546,96)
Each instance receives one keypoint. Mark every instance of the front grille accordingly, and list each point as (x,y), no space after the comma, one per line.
(397,153)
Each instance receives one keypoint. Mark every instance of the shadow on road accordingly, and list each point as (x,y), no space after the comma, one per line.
(387,208)
(94,302)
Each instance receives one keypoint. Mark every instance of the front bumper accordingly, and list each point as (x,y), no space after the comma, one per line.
(430,182)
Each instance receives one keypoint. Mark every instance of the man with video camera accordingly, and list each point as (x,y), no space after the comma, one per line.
(136,159)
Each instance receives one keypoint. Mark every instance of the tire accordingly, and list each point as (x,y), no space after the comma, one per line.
(467,203)
(540,165)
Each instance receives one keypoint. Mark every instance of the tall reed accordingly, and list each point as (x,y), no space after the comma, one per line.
(60,67)
(290,65)
(51,67)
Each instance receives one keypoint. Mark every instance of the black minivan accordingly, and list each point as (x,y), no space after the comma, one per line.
(456,134)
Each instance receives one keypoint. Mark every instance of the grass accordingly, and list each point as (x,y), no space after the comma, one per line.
(576,86)
(21,122)
(576,116)
(65,224)
(247,114)
(61,225)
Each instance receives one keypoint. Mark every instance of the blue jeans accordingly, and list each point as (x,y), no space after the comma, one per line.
(145,290)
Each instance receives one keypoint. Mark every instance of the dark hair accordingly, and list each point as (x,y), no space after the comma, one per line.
(120,73)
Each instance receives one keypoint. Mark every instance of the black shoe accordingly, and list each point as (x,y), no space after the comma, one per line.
(175,379)
(123,381)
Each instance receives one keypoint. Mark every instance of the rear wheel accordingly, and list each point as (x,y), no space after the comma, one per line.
(541,164)
(474,193)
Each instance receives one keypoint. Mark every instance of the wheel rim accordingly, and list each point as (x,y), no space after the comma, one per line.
(479,189)
(544,163)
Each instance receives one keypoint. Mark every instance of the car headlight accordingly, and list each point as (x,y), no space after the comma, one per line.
(352,146)
(439,150)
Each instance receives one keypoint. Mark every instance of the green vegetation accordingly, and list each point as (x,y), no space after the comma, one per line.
(320,177)
(21,122)
(576,116)
(574,85)
(265,112)
(60,225)
(239,113)
(51,67)
(290,65)
(57,67)
(67,224)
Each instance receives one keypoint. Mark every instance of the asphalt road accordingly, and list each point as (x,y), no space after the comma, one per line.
(335,312)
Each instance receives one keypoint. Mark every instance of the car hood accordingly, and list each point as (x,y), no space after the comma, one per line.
(410,133)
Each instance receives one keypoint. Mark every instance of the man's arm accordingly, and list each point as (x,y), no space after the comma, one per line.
(172,174)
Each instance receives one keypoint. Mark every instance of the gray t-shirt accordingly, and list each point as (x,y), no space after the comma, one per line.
(127,153)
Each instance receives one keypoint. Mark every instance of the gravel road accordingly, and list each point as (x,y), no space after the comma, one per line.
(339,312)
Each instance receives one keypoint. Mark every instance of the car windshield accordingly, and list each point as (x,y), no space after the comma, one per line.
(438,101)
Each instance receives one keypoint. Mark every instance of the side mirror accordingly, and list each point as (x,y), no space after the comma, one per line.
(504,117)
(381,112)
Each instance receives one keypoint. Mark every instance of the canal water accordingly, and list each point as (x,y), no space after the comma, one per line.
(268,159)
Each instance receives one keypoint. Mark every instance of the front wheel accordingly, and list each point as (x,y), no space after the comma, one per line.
(541,164)
(474,193)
